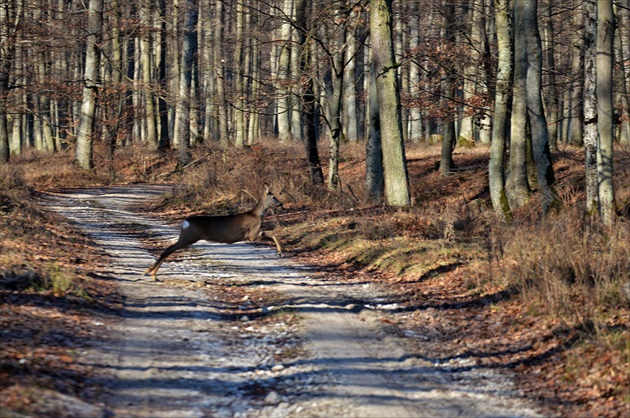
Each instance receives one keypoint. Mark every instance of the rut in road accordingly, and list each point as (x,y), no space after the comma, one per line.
(178,351)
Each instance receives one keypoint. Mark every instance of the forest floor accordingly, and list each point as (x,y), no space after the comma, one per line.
(235,331)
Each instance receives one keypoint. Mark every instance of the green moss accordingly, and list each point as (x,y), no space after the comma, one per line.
(465,142)
(505,206)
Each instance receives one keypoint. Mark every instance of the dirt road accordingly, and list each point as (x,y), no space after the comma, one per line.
(291,346)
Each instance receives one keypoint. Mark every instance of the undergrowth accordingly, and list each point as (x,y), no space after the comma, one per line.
(34,246)
(566,268)
(574,268)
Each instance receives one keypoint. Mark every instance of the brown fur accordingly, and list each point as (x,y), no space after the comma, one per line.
(224,229)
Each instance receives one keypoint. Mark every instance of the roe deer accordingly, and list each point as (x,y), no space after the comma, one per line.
(224,229)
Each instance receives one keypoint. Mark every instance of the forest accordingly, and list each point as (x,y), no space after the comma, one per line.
(481,145)
(521,75)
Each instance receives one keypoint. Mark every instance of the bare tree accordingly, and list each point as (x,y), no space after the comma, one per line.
(535,111)
(590,105)
(605,37)
(85,133)
(221,104)
(183,98)
(623,62)
(374,150)
(10,18)
(394,160)
(283,102)
(517,186)
(309,114)
(501,107)
(449,138)
(146,53)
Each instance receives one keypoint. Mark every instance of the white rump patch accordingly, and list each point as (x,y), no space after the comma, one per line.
(185,224)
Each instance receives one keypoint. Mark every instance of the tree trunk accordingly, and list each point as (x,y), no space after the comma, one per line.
(146,56)
(577,115)
(10,18)
(174,65)
(623,49)
(239,114)
(350,86)
(222,118)
(309,111)
(207,74)
(85,134)
(283,103)
(415,115)
(374,150)
(394,161)
(400,42)
(517,183)
(553,111)
(472,70)
(295,88)
(19,102)
(536,113)
(484,86)
(496,175)
(253,126)
(590,105)
(137,131)
(334,90)
(605,35)
(449,137)
(164,141)
(189,48)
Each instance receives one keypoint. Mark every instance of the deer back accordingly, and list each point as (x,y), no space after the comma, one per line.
(224,229)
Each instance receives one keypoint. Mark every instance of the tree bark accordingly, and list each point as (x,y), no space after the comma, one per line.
(496,168)
(374,150)
(85,133)
(471,69)
(222,118)
(623,49)
(553,111)
(10,17)
(182,110)
(146,54)
(164,141)
(517,185)
(605,38)
(309,111)
(283,103)
(590,105)
(334,90)
(239,114)
(449,137)
(415,114)
(394,160)
(577,114)
(536,114)
(350,86)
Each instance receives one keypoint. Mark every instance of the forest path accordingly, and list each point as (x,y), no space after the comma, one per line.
(182,348)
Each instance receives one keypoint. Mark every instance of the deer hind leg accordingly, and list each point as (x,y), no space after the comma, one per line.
(183,242)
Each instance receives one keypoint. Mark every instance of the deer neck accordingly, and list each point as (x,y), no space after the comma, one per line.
(259,209)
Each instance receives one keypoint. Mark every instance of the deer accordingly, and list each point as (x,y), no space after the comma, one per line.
(226,229)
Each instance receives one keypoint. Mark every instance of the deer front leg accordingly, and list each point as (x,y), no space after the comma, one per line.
(269,234)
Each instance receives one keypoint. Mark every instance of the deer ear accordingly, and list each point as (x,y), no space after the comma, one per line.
(266,188)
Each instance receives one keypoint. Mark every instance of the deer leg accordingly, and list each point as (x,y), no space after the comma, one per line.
(181,243)
(268,234)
